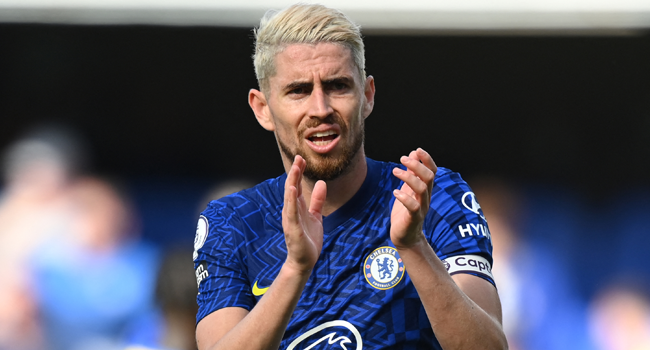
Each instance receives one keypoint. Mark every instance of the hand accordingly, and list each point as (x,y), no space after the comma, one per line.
(413,198)
(303,228)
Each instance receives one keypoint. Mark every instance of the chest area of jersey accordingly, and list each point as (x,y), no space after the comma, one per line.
(356,258)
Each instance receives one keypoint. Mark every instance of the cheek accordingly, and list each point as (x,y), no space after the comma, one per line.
(282,125)
(285,133)
(283,128)
(356,119)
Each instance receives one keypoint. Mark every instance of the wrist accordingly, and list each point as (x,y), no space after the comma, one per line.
(416,243)
(298,270)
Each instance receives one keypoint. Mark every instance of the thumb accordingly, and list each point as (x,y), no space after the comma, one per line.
(318,198)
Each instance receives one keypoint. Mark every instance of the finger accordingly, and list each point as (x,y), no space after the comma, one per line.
(413,163)
(420,170)
(412,176)
(414,155)
(407,189)
(411,156)
(427,160)
(410,186)
(291,192)
(290,210)
(318,196)
(293,175)
(412,205)
(301,163)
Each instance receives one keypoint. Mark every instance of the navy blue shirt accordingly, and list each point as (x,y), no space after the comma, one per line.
(359,293)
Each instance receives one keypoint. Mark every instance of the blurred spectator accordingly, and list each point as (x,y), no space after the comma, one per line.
(502,209)
(176,295)
(37,171)
(95,284)
(620,318)
(176,287)
(540,307)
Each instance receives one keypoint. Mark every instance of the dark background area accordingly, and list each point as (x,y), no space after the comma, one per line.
(165,108)
(171,101)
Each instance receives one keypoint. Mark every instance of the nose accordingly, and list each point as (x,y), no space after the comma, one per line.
(319,104)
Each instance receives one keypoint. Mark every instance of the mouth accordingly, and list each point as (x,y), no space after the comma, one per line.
(323,138)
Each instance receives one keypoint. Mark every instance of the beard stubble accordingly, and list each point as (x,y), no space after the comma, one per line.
(326,167)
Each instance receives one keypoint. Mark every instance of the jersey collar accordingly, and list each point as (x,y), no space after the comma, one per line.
(359,201)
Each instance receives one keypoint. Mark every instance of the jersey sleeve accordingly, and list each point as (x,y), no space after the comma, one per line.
(457,229)
(220,267)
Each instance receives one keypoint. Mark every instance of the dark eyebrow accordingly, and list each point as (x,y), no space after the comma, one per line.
(298,85)
(344,80)
(309,85)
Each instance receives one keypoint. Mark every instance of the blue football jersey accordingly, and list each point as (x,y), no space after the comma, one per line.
(359,294)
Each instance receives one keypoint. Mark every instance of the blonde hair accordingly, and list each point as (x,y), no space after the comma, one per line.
(303,24)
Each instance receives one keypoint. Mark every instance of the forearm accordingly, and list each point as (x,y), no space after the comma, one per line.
(457,321)
(264,326)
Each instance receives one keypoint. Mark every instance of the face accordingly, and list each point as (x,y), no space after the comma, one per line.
(316,105)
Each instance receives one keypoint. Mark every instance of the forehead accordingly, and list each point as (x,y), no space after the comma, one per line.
(304,62)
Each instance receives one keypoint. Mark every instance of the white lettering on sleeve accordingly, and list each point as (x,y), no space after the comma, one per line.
(465,230)
(486,231)
(476,228)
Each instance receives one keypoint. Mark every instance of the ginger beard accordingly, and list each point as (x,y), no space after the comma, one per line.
(326,167)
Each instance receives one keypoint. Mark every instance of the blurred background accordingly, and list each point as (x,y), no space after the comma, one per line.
(120,120)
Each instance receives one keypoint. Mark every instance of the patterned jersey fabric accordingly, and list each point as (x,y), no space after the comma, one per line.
(359,294)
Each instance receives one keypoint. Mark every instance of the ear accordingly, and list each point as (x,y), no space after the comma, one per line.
(260,106)
(369,92)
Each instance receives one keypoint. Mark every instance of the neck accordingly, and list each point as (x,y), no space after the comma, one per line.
(341,189)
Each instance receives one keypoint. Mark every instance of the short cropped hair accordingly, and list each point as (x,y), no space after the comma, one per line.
(303,24)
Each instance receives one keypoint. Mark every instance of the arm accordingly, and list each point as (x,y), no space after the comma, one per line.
(263,327)
(464,311)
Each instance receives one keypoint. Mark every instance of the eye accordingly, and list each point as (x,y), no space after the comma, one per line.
(339,86)
(299,90)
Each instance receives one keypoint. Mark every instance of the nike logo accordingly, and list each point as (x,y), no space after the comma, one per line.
(257,291)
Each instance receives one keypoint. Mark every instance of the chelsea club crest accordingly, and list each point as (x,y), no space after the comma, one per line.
(383,268)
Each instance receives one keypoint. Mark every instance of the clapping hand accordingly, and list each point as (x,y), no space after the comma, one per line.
(413,198)
(303,227)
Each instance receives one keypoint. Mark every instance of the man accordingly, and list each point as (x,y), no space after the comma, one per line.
(340,252)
